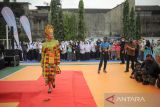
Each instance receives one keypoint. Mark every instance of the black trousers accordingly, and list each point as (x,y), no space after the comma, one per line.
(103,58)
(87,55)
(82,56)
(24,55)
(78,55)
(122,56)
(130,58)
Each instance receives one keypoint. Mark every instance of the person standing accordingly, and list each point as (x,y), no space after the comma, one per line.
(69,52)
(77,50)
(142,46)
(104,49)
(39,50)
(148,49)
(130,49)
(157,52)
(1,50)
(122,50)
(24,51)
(50,58)
(93,50)
(137,49)
(63,49)
(87,50)
(97,48)
(82,50)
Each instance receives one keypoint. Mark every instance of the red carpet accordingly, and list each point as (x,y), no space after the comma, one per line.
(71,90)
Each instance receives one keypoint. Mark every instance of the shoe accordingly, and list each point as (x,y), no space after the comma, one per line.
(46,99)
(53,85)
(126,71)
(98,71)
(122,63)
(49,90)
(104,71)
(132,77)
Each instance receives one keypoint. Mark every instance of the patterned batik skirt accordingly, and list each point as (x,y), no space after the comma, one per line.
(50,69)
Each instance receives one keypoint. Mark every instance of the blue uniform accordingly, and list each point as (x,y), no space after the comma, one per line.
(104,45)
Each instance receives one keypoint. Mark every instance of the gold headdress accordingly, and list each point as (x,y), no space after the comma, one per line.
(48,29)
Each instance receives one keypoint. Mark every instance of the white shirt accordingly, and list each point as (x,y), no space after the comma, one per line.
(87,48)
(63,48)
(82,48)
(93,48)
(40,47)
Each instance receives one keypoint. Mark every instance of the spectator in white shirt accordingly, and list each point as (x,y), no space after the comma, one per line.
(87,47)
(63,49)
(82,50)
(93,50)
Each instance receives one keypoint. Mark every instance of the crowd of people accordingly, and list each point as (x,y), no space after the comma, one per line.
(139,52)
(147,72)
(89,49)
(86,50)
(144,67)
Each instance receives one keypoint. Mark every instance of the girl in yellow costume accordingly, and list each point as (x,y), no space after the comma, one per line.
(50,58)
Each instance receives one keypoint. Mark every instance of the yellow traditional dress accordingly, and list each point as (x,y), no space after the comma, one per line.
(50,58)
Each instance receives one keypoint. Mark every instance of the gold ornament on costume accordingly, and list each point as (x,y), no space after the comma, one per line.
(49,29)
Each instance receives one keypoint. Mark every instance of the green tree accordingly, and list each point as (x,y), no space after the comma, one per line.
(138,27)
(70,26)
(126,19)
(56,19)
(132,25)
(61,25)
(81,24)
(53,17)
(74,26)
(66,26)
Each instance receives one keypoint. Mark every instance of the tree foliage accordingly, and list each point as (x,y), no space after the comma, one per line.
(81,24)
(132,24)
(61,26)
(126,19)
(70,26)
(56,19)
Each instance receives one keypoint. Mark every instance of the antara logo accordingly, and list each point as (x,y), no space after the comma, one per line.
(134,99)
(111,99)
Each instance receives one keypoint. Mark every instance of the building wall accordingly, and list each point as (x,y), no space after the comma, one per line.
(101,22)
(150,20)
(95,24)
(98,22)
(94,21)
(115,18)
(38,20)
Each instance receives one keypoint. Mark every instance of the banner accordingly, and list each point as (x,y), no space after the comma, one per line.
(26,26)
(10,20)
